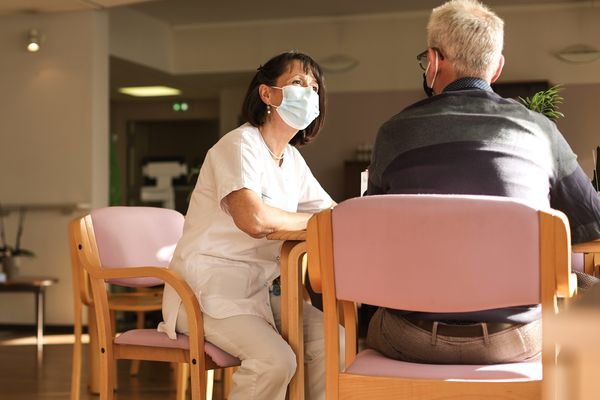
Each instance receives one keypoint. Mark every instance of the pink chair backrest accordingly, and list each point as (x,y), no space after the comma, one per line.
(136,237)
(436,253)
(577,262)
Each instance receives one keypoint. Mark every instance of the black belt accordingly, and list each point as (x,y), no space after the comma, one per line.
(475,329)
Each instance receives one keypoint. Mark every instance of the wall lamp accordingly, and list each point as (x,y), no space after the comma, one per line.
(34,40)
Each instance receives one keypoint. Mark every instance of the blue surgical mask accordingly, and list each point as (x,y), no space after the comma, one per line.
(299,106)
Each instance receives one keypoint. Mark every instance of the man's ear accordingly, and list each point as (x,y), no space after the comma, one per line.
(431,58)
(498,70)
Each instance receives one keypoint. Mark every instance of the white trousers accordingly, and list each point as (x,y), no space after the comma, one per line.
(268,362)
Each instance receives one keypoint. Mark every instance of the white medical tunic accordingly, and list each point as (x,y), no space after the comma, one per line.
(229,271)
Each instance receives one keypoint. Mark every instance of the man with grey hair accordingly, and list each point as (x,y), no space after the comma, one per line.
(466,139)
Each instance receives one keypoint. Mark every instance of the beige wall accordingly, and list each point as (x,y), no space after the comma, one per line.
(230,108)
(580,125)
(54,113)
(139,38)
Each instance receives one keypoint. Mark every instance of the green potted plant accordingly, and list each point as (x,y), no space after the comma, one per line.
(545,102)
(10,256)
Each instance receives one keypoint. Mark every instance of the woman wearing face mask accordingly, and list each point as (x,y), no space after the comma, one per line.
(254,182)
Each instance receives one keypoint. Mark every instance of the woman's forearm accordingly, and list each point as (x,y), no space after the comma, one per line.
(258,219)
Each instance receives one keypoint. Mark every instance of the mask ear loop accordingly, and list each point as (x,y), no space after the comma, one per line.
(273,105)
(436,69)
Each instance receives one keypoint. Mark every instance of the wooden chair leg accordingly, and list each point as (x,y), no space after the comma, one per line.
(182,378)
(76,367)
(135,364)
(197,383)
(113,321)
(218,374)
(93,354)
(182,374)
(107,382)
(114,371)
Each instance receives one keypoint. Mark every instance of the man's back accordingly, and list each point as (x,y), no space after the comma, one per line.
(476,142)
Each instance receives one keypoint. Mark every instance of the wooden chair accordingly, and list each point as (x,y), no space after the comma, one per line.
(588,255)
(435,253)
(139,302)
(576,332)
(131,246)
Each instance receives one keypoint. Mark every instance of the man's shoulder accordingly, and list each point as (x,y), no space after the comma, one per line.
(461,101)
(420,109)
(438,115)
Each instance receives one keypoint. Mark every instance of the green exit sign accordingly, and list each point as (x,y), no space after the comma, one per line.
(180,106)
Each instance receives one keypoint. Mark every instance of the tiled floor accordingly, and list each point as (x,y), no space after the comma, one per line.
(24,377)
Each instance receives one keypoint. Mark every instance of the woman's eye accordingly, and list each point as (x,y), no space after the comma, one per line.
(296,82)
(316,89)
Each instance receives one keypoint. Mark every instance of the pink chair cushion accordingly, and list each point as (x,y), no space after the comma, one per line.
(436,253)
(153,338)
(136,236)
(370,362)
(577,262)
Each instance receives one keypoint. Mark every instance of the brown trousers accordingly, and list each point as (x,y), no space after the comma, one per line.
(397,338)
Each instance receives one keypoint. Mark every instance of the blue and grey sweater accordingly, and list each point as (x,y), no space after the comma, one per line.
(469,140)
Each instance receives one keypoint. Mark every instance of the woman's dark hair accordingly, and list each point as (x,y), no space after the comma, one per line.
(255,111)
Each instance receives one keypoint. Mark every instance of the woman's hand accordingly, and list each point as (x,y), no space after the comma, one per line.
(258,219)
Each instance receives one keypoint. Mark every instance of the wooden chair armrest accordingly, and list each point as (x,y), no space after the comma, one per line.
(592,246)
(168,276)
(287,235)
(190,302)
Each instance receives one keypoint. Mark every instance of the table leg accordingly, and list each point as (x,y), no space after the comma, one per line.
(39,312)
(292,323)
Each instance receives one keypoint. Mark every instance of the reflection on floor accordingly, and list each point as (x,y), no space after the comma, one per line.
(23,377)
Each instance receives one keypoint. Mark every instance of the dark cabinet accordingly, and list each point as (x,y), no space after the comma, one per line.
(352,170)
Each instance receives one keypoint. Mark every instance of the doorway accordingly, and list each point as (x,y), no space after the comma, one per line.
(181,141)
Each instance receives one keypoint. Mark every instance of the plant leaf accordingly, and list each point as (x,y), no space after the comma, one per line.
(545,102)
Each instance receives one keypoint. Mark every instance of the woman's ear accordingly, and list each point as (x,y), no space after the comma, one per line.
(264,93)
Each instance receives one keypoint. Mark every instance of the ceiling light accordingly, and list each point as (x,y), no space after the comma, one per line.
(579,54)
(338,63)
(33,40)
(150,91)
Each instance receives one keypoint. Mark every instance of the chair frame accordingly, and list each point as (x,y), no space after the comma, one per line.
(83,239)
(128,302)
(555,280)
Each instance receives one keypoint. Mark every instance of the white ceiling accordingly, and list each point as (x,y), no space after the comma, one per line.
(191,12)
(194,86)
(8,7)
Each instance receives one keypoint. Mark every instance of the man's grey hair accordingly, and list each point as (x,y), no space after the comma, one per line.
(469,35)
